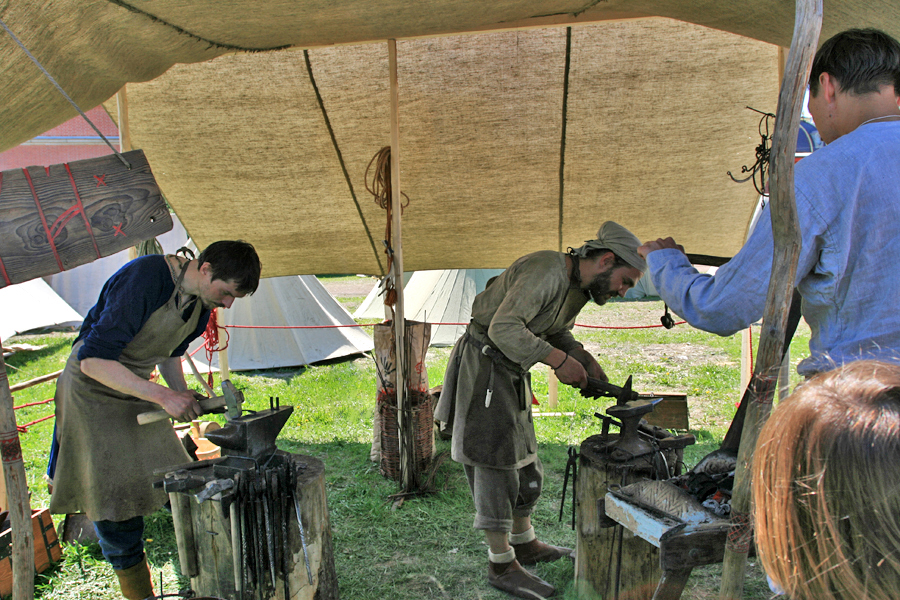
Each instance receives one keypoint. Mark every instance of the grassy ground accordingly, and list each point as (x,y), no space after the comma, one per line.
(425,548)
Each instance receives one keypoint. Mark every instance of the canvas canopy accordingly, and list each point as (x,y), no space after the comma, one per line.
(280,302)
(32,305)
(443,298)
(509,143)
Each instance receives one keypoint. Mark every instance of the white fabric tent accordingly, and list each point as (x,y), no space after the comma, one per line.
(31,305)
(280,302)
(438,296)
(81,286)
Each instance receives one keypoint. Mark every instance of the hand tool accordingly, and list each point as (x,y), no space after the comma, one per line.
(231,399)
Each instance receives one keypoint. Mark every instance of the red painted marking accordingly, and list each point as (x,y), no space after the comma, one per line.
(118,229)
(63,219)
(10,448)
(100,179)
(3,272)
(47,170)
(87,223)
(37,203)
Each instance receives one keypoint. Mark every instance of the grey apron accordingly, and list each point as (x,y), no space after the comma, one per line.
(106,460)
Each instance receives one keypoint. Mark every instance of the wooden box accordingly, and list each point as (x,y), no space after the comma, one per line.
(671,413)
(46,548)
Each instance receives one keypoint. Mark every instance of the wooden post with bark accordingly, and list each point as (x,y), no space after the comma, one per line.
(16,493)
(786,233)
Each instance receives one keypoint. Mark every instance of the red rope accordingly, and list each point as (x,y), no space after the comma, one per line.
(371,324)
(33,403)
(37,203)
(211,344)
(24,428)
(80,206)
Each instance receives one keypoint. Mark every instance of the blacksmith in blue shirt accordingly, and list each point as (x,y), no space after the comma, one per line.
(147,314)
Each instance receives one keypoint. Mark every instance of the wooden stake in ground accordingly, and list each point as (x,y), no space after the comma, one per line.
(786,233)
(17,494)
(408,473)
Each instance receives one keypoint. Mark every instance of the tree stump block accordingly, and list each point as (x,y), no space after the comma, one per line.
(608,557)
(204,534)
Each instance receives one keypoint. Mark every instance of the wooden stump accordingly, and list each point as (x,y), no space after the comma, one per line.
(204,535)
(608,556)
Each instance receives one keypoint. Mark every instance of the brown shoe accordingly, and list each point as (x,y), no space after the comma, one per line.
(513,579)
(536,551)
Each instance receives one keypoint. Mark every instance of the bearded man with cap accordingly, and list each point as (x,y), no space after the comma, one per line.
(524,316)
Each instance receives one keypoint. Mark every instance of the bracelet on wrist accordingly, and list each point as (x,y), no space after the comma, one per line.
(562,363)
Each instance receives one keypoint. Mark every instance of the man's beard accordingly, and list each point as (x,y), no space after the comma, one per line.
(598,290)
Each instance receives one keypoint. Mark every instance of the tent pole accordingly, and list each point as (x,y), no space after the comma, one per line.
(223,352)
(405,442)
(786,234)
(122,117)
(22,548)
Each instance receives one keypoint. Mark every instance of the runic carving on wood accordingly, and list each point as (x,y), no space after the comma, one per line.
(58,217)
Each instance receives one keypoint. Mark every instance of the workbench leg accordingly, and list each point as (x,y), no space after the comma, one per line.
(671,584)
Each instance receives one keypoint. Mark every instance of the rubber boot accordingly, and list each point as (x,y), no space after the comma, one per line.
(135,581)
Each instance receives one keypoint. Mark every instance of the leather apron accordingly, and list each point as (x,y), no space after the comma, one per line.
(106,460)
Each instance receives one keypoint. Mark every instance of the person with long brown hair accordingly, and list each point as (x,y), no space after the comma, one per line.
(826,486)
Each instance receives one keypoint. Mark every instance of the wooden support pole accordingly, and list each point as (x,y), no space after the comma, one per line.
(786,233)
(22,549)
(35,381)
(122,117)
(224,373)
(405,435)
(552,389)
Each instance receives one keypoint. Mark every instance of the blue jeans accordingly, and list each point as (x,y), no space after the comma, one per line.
(122,542)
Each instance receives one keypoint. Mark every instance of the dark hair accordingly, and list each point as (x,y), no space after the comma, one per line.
(233,261)
(861,60)
(617,262)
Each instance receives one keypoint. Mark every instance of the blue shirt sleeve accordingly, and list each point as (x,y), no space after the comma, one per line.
(126,302)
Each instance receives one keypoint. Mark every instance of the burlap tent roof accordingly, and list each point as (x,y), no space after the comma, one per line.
(654,114)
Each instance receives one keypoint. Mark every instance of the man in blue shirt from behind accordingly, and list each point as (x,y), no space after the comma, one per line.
(848,205)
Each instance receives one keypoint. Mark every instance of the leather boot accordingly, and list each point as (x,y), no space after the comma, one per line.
(536,551)
(135,581)
(513,579)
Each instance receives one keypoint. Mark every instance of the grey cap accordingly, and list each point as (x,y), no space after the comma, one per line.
(619,241)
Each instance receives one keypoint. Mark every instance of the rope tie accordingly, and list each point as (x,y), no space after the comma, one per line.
(63,92)
(211,341)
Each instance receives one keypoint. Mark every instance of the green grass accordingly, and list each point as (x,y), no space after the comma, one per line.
(425,548)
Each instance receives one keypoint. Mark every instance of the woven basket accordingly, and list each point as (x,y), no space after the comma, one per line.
(423,433)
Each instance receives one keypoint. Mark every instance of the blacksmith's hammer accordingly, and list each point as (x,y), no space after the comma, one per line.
(231,399)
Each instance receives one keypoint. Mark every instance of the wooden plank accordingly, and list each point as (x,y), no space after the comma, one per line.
(648,526)
(671,413)
(693,546)
(58,217)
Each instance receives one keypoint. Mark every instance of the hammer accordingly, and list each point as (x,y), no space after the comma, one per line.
(230,398)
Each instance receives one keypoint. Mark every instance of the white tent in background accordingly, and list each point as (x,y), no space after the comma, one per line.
(81,286)
(283,302)
(32,305)
(440,296)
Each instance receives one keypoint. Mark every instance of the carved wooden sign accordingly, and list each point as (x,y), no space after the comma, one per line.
(55,218)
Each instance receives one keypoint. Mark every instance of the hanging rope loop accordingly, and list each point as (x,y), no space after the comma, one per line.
(380,187)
